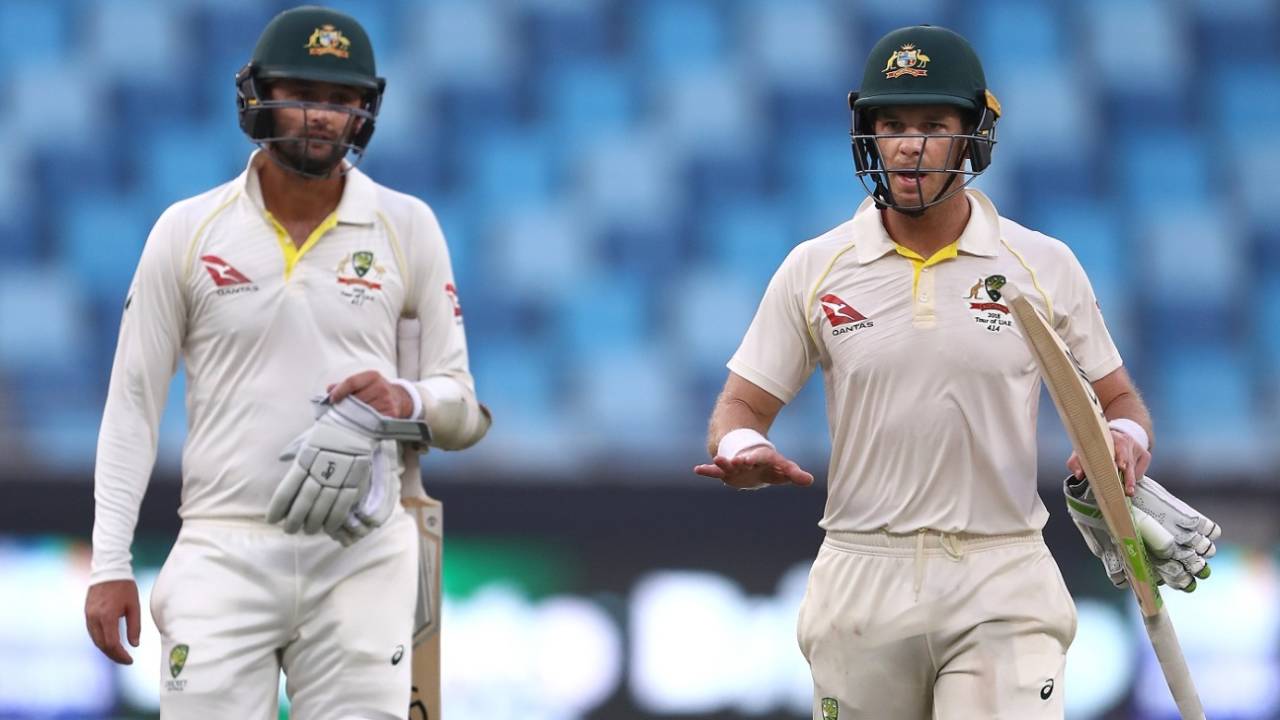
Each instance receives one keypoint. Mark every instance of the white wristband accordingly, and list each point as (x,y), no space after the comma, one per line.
(735,441)
(1132,429)
(414,395)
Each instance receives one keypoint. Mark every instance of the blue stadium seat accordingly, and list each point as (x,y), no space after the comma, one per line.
(1048,116)
(799,45)
(607,311)
(1156,65)
(748,238)
(1244,29)
(544,252)
(1160,168)
(877,17)
(674,37)
(559,34)
(1190,251)
(41,318)
(1010,34)
(1203,402)
(38,32)
(186,160)
(1253,181)
(517,379)
(55,104)
(514,167)
(1245,108)
(629,179)
(584,101)
(1095,233)
(135,38)
(653,403)
(100,242)
(819,183)
(709,111)
(710,308)
(485,55)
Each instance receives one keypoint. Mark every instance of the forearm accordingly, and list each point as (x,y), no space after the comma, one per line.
(732,412)
(126,453)
(1129,405)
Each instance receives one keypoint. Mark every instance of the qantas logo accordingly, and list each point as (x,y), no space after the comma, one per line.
(228,279)
(840,313)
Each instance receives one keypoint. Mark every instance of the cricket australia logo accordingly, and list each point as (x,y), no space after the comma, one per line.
(985,306)
(177,661)
(842,316)
(328,40)
(359,276)
(907,60)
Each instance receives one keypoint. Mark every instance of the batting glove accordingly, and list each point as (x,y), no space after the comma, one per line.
(338,463)
(1178,538)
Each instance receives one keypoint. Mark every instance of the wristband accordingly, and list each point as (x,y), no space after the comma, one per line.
(1132,429)
(414,395)
(735,441)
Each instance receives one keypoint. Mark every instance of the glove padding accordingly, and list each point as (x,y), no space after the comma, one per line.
(340,482)
(1178,538)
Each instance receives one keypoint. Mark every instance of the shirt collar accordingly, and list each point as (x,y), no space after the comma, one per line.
(356,207)
(981,235)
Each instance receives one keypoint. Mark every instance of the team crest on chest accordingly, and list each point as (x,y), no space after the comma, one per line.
(360,276)
(985,306)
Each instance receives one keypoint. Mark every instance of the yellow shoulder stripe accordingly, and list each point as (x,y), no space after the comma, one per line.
(1048,302)
(813,293)
(398,251)
(188,259)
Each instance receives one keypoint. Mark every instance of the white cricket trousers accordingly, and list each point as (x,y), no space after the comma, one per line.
(236,601)
(931,625)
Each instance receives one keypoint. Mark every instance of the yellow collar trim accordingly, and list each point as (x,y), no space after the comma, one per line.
(918,263)
(293,253)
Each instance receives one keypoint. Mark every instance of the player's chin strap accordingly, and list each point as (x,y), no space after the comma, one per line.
(1178,537)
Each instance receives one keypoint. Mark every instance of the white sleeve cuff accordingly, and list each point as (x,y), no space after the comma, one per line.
(735,441)
(1132,429)
(414,395)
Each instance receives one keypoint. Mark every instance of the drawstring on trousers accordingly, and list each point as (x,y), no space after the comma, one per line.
(949,544)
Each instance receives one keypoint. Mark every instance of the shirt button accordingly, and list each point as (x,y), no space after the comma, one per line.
(924,269)
(924,297)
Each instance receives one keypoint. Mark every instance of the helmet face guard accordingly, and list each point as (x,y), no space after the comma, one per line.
(310,44)
(257,120)
(868,160)
(923,65)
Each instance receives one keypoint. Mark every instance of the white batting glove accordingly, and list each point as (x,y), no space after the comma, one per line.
(373,509)
(1178,538)
(339,461)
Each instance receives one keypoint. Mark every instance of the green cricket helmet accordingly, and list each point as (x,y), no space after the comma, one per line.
(315,44)
(923,65)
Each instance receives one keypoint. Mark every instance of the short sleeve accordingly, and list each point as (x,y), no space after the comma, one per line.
(778,352)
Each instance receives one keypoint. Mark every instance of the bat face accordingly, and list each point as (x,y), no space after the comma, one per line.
(1083,416)
(1086,423)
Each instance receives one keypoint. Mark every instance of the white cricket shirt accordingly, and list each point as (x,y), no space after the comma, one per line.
(262,326)
(931,393)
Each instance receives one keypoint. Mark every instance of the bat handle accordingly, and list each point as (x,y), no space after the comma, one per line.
(1174,665)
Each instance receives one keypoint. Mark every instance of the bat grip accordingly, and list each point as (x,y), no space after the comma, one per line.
(1174,665)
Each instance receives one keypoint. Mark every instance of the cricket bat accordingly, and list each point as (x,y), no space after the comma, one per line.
(428,513)
(1083,416)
